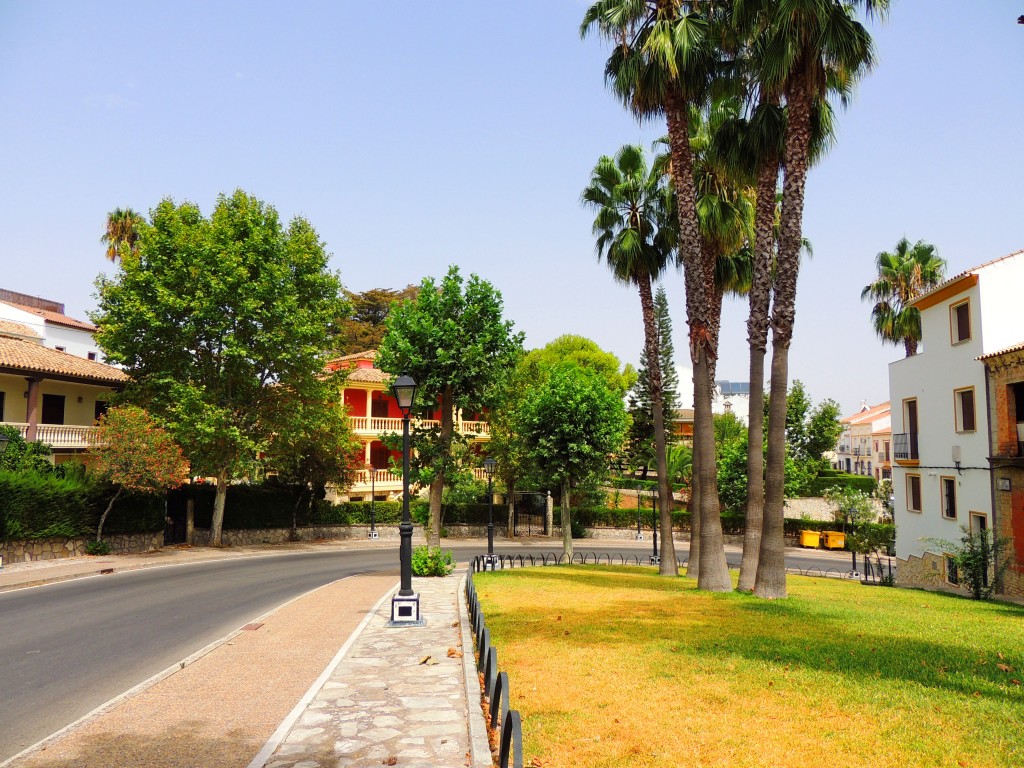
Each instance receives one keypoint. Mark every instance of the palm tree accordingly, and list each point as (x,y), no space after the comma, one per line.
(903,275)
(636,239)
(802,49)
(122,235)
(662,62)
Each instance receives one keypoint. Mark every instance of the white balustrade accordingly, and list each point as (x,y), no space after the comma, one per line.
(57,435)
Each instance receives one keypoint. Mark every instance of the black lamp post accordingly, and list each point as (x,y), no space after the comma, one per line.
(405,606)
(655,557)
(4,442)
(489,464)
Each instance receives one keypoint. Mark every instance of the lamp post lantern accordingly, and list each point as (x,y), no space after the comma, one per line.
(405,606)
(489,464)
(4,442)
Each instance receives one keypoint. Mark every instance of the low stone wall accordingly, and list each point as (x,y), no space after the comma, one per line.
(927,572)
(245,538)
(22,551)
(816,508)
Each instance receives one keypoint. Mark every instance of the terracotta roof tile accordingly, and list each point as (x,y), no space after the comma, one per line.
(56,317)
(1015,348)
(18,330)
(30,357)
(368,376)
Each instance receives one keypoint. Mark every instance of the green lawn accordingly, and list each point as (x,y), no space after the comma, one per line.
(615,666)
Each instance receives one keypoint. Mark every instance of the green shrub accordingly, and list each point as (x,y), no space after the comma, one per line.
(432,561)
(38,506)
(823,482)
(97,548)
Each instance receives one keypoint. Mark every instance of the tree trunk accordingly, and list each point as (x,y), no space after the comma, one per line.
(757,339)
(690,255)
(909,346)
(103,517)
(667,551)
(217,523)
(713,574)
(444,460)
(190,516)
(566,520)
(771,567)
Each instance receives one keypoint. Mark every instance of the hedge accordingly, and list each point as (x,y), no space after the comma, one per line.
(823,482)
(247,507)
(45,505)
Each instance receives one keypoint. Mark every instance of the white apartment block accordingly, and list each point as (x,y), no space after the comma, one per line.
(940,415)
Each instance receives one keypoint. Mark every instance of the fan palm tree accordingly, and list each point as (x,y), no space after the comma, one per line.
(664,56)
(636,237)
(122,233)
(803,47)
(903,275)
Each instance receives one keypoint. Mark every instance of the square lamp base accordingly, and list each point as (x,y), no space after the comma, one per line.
(638,536)
(405,611)
(372,534)
(655,559)
(492,562)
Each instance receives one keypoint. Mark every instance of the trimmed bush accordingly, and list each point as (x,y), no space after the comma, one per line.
(39,506)
(823,482)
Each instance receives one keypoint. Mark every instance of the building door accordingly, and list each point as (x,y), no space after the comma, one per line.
(979,523)
(53,409)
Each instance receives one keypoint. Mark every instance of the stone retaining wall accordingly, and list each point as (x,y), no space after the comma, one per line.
(22,551)
(243,538)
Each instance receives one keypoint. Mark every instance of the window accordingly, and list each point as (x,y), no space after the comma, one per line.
(952,576)
(1,406)
(61,349)
(99,409)
(960,322)
(914,493)
(91,355)
(948,485)
(963,401)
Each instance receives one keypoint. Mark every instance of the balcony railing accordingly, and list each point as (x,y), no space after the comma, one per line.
(379,425)
(904,446)
(386,480)
(62,436)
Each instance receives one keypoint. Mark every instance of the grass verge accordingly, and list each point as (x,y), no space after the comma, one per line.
(616,666)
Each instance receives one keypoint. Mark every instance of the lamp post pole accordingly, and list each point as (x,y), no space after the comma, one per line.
(373,495)
(405,606)
(489,464)
(655,559)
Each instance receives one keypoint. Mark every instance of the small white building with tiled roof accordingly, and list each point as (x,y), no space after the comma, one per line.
(52,385)
(942,415)
(864,444)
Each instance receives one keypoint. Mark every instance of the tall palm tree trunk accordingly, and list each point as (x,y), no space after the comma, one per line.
(771,568)
(667,552)
(757,338)
(713,571)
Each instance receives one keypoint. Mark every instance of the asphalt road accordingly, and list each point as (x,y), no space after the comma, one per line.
(66,648)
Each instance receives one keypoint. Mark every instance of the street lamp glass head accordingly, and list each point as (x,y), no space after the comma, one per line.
(489,465)
(404,390)
(4,442)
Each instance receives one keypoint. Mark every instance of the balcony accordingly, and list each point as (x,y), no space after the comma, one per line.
(374,426)
(904,447)
(58,436)
(386,481)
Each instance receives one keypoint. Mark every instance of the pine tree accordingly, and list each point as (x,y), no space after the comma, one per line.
(641,431)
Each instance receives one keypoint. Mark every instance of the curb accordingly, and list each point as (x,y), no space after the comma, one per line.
(479,746)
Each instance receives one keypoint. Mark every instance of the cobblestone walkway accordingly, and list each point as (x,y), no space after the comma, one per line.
(396,698)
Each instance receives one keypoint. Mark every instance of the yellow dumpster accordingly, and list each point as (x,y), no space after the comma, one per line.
(833,539)
(810,539)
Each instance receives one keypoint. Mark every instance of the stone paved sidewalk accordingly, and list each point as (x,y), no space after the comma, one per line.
(398,696)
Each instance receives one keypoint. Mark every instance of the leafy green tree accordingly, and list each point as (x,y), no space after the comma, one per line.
(903,275)
(453,341)
(635,234)
(212,319)
(364,328)
(586,354)
(133,452)
(312,444)
(572,424)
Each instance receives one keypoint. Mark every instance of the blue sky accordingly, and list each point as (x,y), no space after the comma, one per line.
(417,135)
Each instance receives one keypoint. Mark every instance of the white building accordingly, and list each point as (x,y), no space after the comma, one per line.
(940,415)
(52,384)
(864,444)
